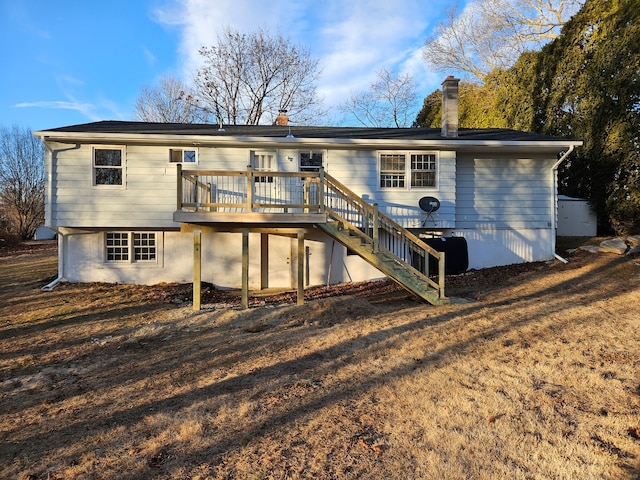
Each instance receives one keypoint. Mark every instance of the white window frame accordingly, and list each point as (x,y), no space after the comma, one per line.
(134,253)
(122,167)
(308,168)
(179,152)
(403,179)
(258,164)
(433,170)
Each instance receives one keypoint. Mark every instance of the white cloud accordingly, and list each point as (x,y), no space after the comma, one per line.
(149,56)
(86,109)
(351,39)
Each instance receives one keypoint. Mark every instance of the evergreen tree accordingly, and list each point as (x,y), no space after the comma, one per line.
(588,87)
(583,85)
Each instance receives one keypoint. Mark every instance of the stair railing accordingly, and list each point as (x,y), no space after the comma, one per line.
(384,234)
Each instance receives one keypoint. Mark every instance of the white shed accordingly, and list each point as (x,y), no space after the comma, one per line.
(576,218)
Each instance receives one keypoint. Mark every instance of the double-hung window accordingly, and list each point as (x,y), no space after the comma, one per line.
(423,170)
(411,170)
(392,170)
(131,247)
(108,166)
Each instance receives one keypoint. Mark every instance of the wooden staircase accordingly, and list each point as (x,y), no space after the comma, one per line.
(392,249)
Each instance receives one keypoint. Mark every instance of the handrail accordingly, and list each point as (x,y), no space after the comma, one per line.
(303,192)
(398,242)
(370,208)
(249,191)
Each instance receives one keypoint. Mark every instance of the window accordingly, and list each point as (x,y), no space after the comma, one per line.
(263,162)
(117,247)
(108,166)
(423,170)
(419,168)
(392,170)
(144,247)
(311,161)
(130,247)
(179,155)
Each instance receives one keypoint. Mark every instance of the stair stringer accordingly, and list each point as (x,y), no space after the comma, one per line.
(392,266)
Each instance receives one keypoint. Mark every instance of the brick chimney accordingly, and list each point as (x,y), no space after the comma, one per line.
(450,107)
(282,118)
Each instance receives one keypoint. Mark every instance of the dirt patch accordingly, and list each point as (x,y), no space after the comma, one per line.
(534,375)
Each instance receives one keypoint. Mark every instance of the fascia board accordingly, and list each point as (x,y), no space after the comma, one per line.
(284,142)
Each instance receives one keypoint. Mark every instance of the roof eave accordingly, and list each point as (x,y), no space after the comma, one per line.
(294,142)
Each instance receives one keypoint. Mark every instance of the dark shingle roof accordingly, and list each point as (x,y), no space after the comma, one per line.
(273,131)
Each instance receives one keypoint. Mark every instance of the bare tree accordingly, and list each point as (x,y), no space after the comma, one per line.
(248,78)
(171,101)
(22,179)
(490,34)
(389,102)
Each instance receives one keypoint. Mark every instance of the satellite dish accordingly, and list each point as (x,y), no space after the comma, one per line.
(429,204)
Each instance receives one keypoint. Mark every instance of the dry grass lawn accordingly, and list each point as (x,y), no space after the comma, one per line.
(536,377)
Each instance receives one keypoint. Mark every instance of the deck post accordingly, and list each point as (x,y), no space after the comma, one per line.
(441,272)
(249,189)
(321,191)
(300,267)
(245,269)
(179,187)
(306,194)
(264,261)
(197,268)
(376,227)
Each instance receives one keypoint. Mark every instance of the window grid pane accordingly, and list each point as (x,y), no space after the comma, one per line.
(189,156)
(144,247)
(310,162)
(262,162)
(107,157)
(423,170)
(392,171)
(117,245)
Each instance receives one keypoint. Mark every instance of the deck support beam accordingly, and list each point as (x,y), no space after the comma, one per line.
(300,269)
(264,261)
(245,269)
(197,268)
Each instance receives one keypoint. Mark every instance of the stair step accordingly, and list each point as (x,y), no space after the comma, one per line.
(390,265)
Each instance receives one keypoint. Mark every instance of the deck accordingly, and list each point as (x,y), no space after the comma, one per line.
(289,203)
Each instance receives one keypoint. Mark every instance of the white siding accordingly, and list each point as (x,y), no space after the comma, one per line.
(359,171)
(490,248)
(503,193)
(146,200)
(148,197)
(326,261)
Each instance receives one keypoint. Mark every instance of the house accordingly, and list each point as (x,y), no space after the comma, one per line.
(292,206)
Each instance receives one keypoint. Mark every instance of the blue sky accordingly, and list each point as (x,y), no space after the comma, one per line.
(67,62)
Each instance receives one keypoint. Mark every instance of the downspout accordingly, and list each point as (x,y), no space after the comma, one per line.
(61,248)
(554,201)
(50,160)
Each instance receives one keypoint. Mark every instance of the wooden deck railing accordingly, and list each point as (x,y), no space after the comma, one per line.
(253,191)
(382,232)
(249,191)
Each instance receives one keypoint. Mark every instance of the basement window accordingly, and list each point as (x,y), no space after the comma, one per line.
(131,247)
